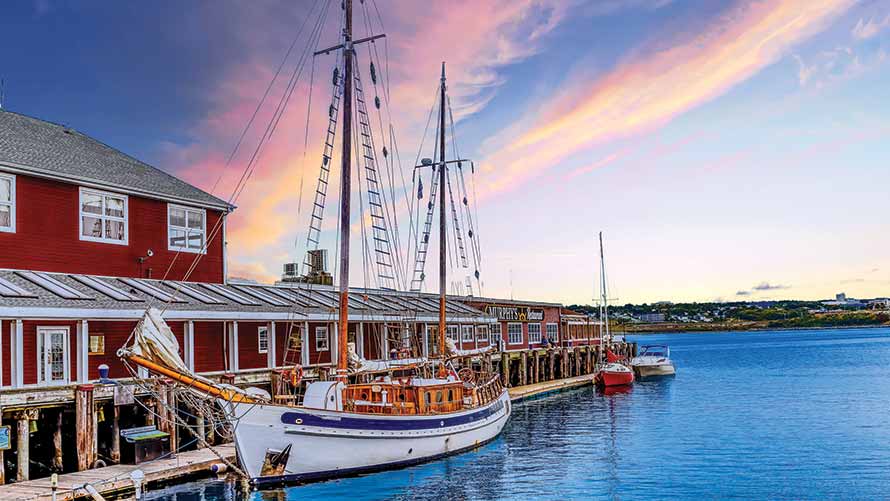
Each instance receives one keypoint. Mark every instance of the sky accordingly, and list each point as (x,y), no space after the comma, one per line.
(728,150)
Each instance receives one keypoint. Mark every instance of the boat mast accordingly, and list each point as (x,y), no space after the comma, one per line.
(345,191)
(442,232)
(605,306)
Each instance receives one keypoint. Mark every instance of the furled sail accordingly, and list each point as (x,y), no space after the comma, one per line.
(153,340)
(358,365)
(452,350)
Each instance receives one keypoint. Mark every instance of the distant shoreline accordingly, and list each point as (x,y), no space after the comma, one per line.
(744,329)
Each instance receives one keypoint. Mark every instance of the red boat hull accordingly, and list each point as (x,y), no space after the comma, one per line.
(609,378)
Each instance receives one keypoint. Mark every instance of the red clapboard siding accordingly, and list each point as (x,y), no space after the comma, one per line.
(249,356)
(47,237)
(116,334)
(209,346)
(281,343)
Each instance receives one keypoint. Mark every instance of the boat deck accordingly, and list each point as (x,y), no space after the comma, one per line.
(116,479)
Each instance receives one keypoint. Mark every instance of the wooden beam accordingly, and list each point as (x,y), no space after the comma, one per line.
(84,410)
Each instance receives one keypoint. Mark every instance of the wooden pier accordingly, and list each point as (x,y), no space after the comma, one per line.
(116,479)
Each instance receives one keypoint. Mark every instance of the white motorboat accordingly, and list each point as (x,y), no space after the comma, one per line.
(653,361)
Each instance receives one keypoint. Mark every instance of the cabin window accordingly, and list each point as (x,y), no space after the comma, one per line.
(7,202)
(553,333)
(450,395)
(514,333)
(439,396)
(466,333)
(186,229)
(262,339)
(534,333)
(453,332)
(482,333)
(103,217)
(321,339)
(426,397)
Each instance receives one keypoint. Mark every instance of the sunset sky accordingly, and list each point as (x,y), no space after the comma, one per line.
(729,150)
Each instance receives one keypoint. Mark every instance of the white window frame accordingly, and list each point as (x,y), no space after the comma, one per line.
(10,204)
(262,333)
(452,332)
(483,333)
(186,229)
(497,335)
(466,333)
(66,362)
(321,334)
(103,217)
(510,334)
(554,338)
(532,340)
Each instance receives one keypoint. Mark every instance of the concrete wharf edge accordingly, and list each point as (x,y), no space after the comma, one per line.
(195,462)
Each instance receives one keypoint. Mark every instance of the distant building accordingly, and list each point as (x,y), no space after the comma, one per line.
(841,299)
(652,317)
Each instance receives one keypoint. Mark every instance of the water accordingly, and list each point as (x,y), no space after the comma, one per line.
(757,415)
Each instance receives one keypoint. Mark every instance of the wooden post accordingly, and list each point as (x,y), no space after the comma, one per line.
(577,361)
(173,427)
(587,368)
(116,435)
(536,363)
(202,431)
(23,437)
(523,368)
(552,375)
(150,409)
(84,411)
(58,464)
(505,369)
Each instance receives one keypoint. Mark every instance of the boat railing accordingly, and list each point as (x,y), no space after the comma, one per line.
(488,387)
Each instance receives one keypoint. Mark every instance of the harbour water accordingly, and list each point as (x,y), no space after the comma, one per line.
(750,415)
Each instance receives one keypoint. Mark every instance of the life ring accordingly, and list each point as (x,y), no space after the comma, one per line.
(296,375)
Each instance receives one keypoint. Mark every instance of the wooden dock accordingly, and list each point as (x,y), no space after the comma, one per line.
(116,479)
(518,393)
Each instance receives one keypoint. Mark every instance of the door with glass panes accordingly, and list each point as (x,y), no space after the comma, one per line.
(52,351)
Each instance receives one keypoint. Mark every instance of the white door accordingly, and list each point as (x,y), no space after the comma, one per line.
(52,352)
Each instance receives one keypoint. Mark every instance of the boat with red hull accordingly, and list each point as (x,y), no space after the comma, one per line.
(614,374)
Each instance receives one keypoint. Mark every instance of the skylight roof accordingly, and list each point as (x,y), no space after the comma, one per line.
(194,293)
(9,289)
(262,295)
(105,288)
(151,290)
(52,284)
(230,294)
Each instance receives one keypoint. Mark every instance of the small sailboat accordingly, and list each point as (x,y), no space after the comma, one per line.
(653,361)
(614,372)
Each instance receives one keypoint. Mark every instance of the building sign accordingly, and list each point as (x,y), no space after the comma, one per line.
(512,313)
(4,438)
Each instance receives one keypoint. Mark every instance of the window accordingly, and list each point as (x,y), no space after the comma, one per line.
(482,333)
(97,344)
(553,333)
(514,333)
(321,339)
(534,333)
(453,332)
(497,334)
(262,339)
(186,228)
(466,333)
(7,202)
(103,217)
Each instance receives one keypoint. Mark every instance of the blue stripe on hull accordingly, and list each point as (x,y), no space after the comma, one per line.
(384,424)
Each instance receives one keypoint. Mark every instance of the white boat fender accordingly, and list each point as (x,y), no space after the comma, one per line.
(219,468)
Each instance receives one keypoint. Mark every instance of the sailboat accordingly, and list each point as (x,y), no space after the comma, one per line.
(613,372)
(400,416)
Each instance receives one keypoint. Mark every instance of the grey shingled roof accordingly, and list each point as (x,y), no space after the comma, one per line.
(43,148)
(316,301)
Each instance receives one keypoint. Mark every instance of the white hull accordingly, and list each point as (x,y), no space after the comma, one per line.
(326,444)
(644,371)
